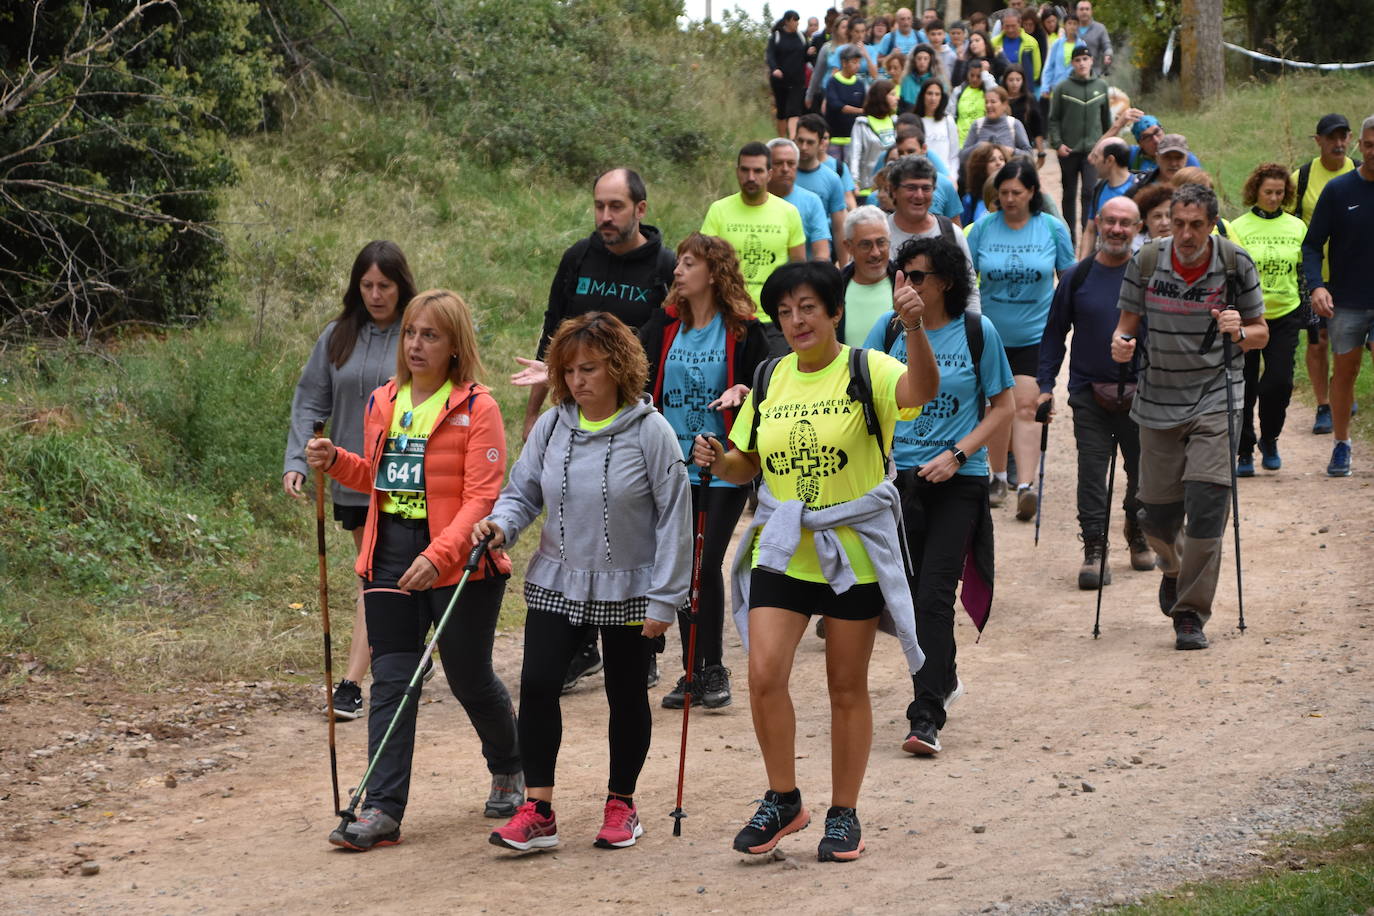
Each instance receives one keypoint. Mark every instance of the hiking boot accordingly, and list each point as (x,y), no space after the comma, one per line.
(1321,426)
(997,492)
(770,823)
(507,794)
(1168,594)
(923,740)
(1142,557)
(843,840)
(715,687)
(1269,455)
(374,827)
(1026,503)
(652,679)
(527,830)
(1245,466)
(1188,631)
(620,826)
(954,694)
(1091,569)
(348,700)
(674,698)
(585,662)
(1340,461)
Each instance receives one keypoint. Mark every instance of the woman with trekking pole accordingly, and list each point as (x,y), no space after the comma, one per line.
(942,471)
(355,354)
(702,348)
(615,552)
(433,457)
(825,540)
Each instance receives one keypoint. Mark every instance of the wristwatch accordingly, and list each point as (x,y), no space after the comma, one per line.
(959,456)
(1242,334)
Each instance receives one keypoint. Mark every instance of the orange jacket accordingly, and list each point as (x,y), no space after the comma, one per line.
(465,464)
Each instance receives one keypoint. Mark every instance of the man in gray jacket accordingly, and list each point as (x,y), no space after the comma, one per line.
(1094,34)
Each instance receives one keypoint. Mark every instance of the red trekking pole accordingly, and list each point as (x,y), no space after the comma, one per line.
(678,814)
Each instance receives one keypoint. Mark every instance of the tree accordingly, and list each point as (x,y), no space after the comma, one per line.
(1199,31)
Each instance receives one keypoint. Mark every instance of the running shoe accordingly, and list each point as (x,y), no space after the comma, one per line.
(620,826)
(1321,426)
(1188,631)
(507,794)
(770,823)
(1340,461)
(527,830)
(1245,466)
(1026,503)
(954,694)
(715,687)
(843,840)
(675,698)
(1269,455)
(586,662)
(1168,594)
(820,627)
(374,827)
(997,492)
(923,740)
(348,700)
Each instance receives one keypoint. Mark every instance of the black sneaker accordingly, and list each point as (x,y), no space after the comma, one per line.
(1168,594)
(674,698)
(715,687)
(923,740)
(586,662)
(1188,631)
(652,679)
(348,700)
(770,823)
(843,840)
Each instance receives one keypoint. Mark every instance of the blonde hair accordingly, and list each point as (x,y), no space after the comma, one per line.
(452,316)
(1191,174)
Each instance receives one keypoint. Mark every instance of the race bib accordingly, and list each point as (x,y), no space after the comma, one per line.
(403,466)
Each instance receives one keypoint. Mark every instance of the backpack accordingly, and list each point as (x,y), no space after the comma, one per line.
(1149,260)
(860,389)
(1304,176)
(973,330)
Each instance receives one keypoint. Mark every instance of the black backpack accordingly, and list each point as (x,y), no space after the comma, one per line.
(860,389)
(973,330)
(1304,177)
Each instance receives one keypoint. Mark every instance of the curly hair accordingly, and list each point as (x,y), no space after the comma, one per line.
(731,298)
(1151,196)
(605,335)
(1249,194)
(976,165)
(947,260)
(451,315)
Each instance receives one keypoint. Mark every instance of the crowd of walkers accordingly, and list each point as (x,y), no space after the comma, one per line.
(857,352)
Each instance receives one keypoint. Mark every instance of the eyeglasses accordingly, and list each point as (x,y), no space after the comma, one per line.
(916,187)
(872,244)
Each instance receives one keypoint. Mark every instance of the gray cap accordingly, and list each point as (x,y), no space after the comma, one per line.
(1172,143)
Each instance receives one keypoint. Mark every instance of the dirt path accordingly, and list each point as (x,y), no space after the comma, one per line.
(217,802)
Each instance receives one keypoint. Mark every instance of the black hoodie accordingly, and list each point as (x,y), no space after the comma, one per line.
(591,278)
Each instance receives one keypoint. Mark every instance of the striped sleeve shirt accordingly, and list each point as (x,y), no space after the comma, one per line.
(1178,383)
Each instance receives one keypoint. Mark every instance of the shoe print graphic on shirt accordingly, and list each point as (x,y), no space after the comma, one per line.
(808,458)
(693,398)
(942,408)
(755,260)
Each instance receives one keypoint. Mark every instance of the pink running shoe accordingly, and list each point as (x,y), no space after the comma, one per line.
(620,826)
(527,830)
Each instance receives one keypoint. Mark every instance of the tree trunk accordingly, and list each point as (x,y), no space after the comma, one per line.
(1200,44)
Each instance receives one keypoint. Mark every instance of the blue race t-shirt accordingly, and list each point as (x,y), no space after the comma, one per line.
(954,412)
(815,221)
(946,199)
(1017,270)
(825,183)
(1108,192)
(694,375)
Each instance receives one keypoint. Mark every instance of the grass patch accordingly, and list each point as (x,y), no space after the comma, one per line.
(1331,874)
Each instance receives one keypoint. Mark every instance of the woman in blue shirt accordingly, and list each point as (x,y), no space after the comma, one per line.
(1018,251)
(942,468)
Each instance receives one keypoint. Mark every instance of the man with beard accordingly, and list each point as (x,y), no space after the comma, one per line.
(1086,302)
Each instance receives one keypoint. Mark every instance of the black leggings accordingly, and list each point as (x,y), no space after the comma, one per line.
(550,641)
(724,505)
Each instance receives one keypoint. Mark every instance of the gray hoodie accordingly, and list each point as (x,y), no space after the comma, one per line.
(876,517)
(340,395)
(620,509)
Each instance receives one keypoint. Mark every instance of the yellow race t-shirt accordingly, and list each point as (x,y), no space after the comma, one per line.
(400,476)
(760,235)
(592,426)
(813,445)
(1316,180)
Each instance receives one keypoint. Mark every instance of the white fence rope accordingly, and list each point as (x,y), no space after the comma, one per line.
(1169,57)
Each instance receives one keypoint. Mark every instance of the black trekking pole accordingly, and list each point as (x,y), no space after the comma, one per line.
(697,544)
(411,695)
(1122,371)
(1226,346)
(1042,416)
(324,614)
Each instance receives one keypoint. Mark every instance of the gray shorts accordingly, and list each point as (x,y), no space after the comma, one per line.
(1350,329)
(1197,449)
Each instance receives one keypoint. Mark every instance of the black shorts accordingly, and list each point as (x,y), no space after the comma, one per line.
(788,98)
(1024,360)
(350,517)
(770,589)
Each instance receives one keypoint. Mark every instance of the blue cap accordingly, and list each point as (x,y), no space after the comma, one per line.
(1144,124)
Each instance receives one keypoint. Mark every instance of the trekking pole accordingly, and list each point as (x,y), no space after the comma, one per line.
(697,545)
(412,692)
(1042,416)
(1226,345)
(1122,371)
(324,614)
